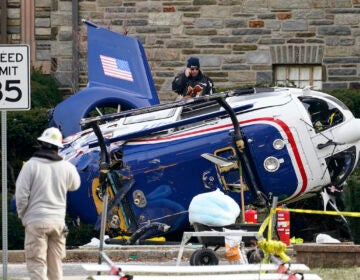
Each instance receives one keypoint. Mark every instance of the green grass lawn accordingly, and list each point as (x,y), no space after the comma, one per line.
(351,273)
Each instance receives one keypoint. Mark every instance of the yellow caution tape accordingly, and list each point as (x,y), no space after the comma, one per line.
(274,247)
(159,239)
(294,240)
(268,245)
(263,226)
(334,213)
(279,248)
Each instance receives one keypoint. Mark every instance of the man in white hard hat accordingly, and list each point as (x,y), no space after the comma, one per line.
(40,195)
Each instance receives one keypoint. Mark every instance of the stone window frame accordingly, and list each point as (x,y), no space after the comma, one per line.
(301,58)
(299,75)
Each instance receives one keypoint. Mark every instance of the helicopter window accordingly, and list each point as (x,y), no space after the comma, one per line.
(338,102)
(153,116)
(322,114)
(340,165)
(193,110)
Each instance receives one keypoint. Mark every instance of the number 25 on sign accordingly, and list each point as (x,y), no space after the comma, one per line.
(14,77)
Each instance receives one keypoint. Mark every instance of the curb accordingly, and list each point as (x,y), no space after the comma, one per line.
(120,253)
(117,254)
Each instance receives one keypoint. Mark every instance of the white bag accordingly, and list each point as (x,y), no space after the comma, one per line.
(324,238)
(213,209)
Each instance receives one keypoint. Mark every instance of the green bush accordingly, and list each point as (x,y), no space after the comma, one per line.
(80,234)
(16,234)
(44,90)
(351,98)
(351,198)
(23,129)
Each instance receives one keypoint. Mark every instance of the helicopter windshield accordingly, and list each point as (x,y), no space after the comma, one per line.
(323,115)
(340,165)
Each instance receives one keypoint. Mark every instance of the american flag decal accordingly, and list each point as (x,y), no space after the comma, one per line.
(116,68)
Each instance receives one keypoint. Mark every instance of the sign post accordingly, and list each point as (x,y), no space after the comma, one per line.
(14,95)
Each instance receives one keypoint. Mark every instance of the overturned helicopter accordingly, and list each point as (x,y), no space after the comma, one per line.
(154,158)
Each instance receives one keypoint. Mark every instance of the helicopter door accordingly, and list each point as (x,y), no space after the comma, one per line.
(228,174)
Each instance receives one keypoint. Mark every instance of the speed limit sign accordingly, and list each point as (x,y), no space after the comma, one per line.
(14,77)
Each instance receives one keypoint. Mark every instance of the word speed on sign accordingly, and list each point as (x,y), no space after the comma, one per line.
(14,77)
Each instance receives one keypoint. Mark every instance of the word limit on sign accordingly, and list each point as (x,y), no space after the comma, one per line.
(10,58)
(14,77)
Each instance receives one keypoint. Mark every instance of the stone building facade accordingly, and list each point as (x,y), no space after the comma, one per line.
(239,42)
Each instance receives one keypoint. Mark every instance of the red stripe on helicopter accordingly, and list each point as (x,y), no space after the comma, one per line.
(293,147)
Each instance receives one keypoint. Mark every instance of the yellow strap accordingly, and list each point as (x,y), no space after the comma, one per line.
(331,118)
(333,213)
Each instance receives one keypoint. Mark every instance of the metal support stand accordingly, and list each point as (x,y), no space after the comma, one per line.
(103,225)
(104,170)
(4,194)
(187,235)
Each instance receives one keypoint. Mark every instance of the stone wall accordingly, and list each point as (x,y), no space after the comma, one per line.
(238,41)
(13,22)
(328,255)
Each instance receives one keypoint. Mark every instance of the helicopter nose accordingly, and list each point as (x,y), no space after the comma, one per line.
(348,133)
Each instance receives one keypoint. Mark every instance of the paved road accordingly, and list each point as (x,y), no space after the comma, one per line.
(72,271)
(18,271)
(164,255)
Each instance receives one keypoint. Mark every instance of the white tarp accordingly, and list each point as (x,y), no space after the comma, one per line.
(213,209)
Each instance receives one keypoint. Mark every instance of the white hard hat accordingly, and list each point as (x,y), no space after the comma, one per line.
(52,136)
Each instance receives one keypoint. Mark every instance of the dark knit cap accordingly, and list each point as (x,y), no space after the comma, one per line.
(193,61)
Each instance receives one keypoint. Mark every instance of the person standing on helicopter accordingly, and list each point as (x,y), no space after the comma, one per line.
(192,82)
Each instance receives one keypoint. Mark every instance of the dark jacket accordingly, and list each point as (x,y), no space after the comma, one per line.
(193,86)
